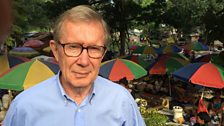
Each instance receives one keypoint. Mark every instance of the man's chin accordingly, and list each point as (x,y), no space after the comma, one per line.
(81,84)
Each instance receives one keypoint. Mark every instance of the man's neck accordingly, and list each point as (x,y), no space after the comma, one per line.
(78,94)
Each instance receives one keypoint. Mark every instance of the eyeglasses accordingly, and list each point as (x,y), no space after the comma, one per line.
(75,50)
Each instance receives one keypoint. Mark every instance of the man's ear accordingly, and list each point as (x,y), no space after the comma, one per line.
(54,49)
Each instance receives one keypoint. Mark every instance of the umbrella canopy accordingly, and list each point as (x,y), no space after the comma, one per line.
(119,68)
(47,49)
(167,64)
(145,50)
(204,74)
(218,59)
(213,58)
(27,74)
(133,47)
(24,52)
(33,43)
(46,58)
(139,60)
(8,61)
(196,46)
(203,58)
(171,49)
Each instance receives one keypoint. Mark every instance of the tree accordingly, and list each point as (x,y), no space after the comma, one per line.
(213,21)
(185,15)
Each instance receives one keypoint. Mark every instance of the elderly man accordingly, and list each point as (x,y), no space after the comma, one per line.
(76,96)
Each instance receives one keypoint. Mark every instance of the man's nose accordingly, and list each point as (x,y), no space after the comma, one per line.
(83,58)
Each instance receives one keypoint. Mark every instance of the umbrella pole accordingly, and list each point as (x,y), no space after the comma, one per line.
(169,86)
(202,94)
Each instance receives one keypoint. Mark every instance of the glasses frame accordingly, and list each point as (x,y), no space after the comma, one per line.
(82,48)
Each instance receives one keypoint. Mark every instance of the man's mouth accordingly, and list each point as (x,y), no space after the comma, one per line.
(81,74)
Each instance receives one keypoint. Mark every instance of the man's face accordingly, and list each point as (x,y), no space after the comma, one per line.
(5,18)
(81,71)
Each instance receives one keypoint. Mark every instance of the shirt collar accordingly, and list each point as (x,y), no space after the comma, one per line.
(64,94)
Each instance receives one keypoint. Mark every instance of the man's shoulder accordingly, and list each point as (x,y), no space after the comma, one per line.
(105,85)
(36,92)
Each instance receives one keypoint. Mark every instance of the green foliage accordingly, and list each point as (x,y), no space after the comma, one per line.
(153,118)
(145,3)
(9,41)
(213,20)
(122,15)
(185,14)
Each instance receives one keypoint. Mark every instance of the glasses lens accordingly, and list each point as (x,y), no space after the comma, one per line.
(76,50)
(73,49)
(95,51)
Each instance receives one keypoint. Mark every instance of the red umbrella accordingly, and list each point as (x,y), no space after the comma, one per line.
(33,43)
(204,74)
(119,68)
(167,64)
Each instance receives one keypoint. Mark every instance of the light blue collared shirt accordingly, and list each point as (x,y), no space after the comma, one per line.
(47,104)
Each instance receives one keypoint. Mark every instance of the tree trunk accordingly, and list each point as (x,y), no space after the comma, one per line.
(122,38)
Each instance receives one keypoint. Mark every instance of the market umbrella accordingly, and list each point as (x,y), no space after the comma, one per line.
(24,52)
(167,64)
(204,74)
(203,58)
(133,47)
(196,46)
(145,50)
(47,49)
(139,60)
(171,49)
(8,61)
(33,43)
(119,68)
(213,58)
(45,58)
(27,74)
(218,59)
(177,55)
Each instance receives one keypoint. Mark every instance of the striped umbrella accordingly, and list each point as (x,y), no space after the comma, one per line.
(8,61)
(119,68)
(204,74)
(27,74)
(167,64)
(145,50)
(24,52)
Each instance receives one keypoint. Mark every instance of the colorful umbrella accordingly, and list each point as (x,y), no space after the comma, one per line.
(27,74)
(177,55)
(204,74)
(171,49)
(33,43)
(8,61)
(218,59)
(213,58)
(196,46)
(119,68)
(139,60)
(24,52)
(133,47)
(145,50)
(46,58)
(203,58)
(166,64)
